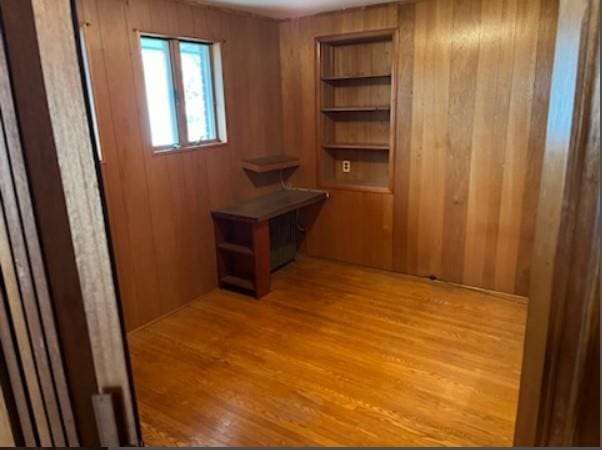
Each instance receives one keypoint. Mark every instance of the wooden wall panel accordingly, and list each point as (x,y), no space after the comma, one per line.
(159,204)
(486,145)
(6,434)
(352,226)
(566,255)
(473,88)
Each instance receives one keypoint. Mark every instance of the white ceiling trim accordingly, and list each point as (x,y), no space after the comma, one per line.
(288,9)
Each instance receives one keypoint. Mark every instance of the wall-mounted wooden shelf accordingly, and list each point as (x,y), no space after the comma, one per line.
(270,163)
(344,109)
(359,186)
(370,147)
(356,110)
(337,78)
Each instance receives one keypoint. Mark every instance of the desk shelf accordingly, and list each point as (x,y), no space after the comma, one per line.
(238,282)
(235,248)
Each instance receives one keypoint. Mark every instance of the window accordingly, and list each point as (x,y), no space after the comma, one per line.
(184,93)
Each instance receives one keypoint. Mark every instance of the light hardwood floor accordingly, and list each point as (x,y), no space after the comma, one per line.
(335,355)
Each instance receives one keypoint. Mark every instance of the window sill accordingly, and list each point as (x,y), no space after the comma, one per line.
(170,151)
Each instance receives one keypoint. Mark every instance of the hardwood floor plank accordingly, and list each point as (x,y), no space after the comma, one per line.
(335,355)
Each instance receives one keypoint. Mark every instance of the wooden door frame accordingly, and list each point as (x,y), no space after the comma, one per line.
(57,161)
(565,266)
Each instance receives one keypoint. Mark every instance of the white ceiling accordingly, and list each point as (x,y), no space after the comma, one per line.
(284,9)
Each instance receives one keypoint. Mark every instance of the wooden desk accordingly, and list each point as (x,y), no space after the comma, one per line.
(242,237)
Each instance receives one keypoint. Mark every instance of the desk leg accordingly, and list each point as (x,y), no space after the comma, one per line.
(218,227)
(261,248)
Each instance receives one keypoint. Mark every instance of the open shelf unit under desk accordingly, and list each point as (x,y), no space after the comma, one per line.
(244,248)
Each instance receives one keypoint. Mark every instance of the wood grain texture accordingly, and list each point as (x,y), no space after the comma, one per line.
(587,426)
(564,295)
(23,386)
(61,173)
(334,355)
(74,154)
(22,309)
(473,84)
(30,90)
(159,205)
(7,438)
(28,261)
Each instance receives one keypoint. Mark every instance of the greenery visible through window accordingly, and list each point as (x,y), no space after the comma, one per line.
(180,81)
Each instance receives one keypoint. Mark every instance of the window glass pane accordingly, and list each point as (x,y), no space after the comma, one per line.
(198,91)
(159,91)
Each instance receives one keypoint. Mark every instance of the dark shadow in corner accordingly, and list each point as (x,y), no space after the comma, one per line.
(261,180)
(305,221)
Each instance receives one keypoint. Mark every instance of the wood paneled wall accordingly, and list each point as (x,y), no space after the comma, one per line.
(352,226)
(159,204)
(473,88)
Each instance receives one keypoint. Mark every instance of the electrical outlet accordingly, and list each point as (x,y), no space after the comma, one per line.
(346,166)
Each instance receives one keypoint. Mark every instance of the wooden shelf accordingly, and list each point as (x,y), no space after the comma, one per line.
(357,186)
(238,282)
(343,109)
(337,78)
(356,110)
(270,163)
(370,147)
(235,248)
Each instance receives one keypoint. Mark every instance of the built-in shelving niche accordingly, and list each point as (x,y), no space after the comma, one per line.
(356,110)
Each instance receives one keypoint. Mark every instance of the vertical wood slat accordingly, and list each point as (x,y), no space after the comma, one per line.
(435,135)
(108,430)
(515,163)
(406,14)
(75,156)
(19,385)
(48,198)
(481,206)
(88,13)
(545,58)
(7,438)
(124,171)
(565,273)
(32,276)
(26,350)
(463,81)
